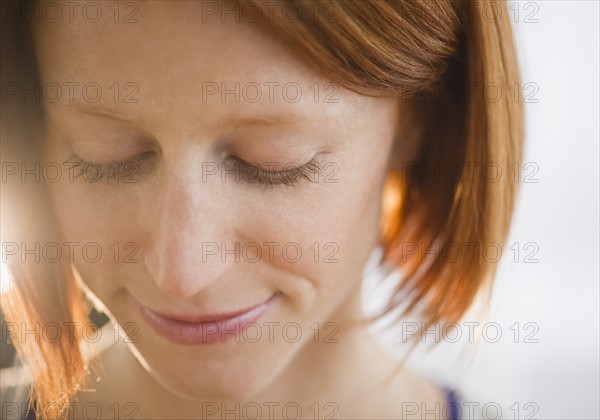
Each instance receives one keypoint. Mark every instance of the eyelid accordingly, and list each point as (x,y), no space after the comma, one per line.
(254,173)
(126,170)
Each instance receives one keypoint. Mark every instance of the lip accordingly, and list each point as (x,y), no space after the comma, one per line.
(205,329)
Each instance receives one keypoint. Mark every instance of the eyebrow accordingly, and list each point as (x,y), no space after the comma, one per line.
(103,113)
(235,122)
(240,123)
(94,112)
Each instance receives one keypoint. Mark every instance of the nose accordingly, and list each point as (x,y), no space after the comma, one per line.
(189,221)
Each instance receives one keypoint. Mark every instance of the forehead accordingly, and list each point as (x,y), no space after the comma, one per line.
(176,56)
(167,32)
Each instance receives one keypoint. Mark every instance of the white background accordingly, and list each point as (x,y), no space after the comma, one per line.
(560,294)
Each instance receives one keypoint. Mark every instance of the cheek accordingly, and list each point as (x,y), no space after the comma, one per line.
(334,225)
(99,233)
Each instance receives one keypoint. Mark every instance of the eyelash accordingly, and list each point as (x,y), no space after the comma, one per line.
(250,173)
(123,170)
(288,177)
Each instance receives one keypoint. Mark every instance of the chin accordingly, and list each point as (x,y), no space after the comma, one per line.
(241,374)
(213,386)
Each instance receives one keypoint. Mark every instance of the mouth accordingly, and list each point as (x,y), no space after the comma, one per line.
(203,329)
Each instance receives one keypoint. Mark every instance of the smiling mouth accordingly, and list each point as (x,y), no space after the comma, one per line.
(206,329)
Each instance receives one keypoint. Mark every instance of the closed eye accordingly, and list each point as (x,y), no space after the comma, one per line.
(126,171)
(289,175)
(131,170)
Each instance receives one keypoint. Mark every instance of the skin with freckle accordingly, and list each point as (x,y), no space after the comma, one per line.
(179,205)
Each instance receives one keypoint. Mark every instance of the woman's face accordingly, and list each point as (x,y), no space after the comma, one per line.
(183,232)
